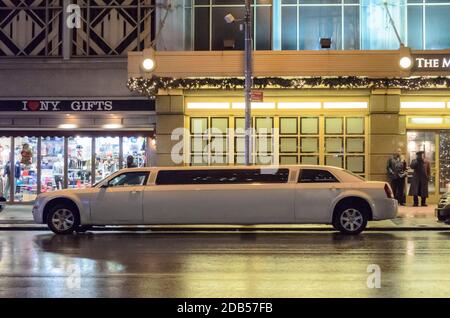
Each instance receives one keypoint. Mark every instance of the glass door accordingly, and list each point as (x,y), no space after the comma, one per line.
(444,161)
(52,164)
(25,169)
(426,141)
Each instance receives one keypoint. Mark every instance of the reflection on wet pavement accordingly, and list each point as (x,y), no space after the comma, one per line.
(308,264)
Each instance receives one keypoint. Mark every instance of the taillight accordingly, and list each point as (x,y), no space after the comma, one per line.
(388,190)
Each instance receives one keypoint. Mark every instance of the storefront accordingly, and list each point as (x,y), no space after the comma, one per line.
(350,109)
(428,129)
(287,130)
(46,145)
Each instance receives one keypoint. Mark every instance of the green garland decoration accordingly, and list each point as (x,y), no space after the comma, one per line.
(150,86)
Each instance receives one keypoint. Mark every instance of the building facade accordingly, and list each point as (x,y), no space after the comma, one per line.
(350,106)
(67,119)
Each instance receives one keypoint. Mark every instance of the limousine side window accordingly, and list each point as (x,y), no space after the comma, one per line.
(221,176)
(129,179)
(316,176)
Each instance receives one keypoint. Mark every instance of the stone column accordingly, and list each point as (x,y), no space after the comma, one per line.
(387,130)
(169,116)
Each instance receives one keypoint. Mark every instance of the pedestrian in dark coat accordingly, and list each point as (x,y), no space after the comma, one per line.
(396,171)
(421,176)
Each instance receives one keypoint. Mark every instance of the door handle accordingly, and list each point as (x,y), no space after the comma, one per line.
(135,192)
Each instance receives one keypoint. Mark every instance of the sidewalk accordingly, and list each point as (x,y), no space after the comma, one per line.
(409,218)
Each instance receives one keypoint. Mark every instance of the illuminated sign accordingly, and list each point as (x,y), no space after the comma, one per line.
(76,105)
(432,62)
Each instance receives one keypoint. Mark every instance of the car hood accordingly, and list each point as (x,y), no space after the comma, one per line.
(67,192)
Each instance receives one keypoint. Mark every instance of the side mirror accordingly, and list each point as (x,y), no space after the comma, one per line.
(104,186)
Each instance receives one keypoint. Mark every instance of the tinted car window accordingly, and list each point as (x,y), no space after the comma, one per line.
(222,176)
(316,176)
(129,179)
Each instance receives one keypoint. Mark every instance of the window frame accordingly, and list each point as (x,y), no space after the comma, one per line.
(144,183)
(337,180)
(235,170)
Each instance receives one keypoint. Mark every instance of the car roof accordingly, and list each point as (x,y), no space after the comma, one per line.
(264,167)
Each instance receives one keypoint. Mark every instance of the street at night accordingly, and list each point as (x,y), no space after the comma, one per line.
(250,153)
(224,264)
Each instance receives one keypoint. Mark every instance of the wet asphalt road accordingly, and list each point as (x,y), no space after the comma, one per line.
(148,264)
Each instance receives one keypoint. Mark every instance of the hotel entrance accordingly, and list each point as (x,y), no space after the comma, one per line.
(436,145)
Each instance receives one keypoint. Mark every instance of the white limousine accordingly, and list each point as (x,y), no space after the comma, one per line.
(220,195)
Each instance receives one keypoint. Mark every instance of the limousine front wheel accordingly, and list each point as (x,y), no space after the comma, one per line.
(63,219)
(350,220)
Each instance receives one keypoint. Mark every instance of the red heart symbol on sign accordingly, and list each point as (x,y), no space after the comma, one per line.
(33,105)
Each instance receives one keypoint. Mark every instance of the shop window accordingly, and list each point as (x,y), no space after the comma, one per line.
(309,126)
(199,125)
(344,138)
(219,125)
(79,162)
(25,168)
(209,146)
(334,145)
(288,144)
(288,126)
(219,144)
(135,148)
(239,125)
(444,161)
(306,140)
(264,145)
(199,160)
(239,160)
(355,145)
(309,160)
(334,125)
(336,161)
(106,156)
(52,164)
(288,160)
(355,164)
(309,144)
(199,144)
(5,167)
(264,140)
(264,125)
(354,125)
(239,144)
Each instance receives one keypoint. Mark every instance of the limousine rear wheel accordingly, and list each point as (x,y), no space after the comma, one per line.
(350,219)
(63,219)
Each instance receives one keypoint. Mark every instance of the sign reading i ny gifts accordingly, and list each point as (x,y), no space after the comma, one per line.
(76,105)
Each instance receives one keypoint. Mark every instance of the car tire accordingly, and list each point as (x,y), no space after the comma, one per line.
(350,219)
(63,219)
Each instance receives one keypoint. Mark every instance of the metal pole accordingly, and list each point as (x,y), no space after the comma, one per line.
(248,82)
(391,21)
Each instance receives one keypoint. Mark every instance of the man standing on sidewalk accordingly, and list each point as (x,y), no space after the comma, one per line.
(421,176)
(396,170)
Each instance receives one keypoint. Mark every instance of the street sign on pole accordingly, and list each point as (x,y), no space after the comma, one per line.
(257,96)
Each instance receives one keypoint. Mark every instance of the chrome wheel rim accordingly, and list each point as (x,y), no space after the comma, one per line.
(63,219)
(351,220)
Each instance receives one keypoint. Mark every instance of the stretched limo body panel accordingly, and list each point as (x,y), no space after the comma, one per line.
(220,195)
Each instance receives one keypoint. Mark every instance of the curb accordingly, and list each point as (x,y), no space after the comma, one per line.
(35,227)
